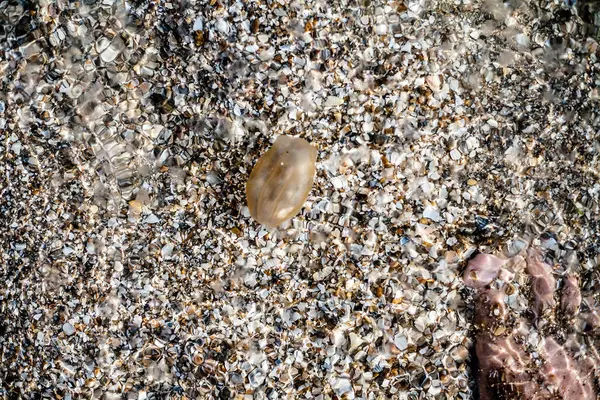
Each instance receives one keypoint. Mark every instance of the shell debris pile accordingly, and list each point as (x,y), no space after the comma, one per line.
(130,264)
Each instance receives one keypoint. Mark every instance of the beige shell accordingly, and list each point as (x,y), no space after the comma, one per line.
(281,180)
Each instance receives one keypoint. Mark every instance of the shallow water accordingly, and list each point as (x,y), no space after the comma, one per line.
(130,266)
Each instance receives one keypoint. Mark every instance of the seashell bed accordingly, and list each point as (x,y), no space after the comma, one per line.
(299,199)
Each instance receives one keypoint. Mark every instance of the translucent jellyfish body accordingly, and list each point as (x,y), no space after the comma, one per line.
(281,180)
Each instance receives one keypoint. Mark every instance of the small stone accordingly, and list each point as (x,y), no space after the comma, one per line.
(401,342)
(381,29)
(223,26)
(256,378)
(68,329)
(152,219)
(16,148)
(431,213)
(342,386)
(338,182)
(434,82)
(522,39)
(267,54)
(333,101)
(198,24)
(167,250)
(455,155)
(355,341)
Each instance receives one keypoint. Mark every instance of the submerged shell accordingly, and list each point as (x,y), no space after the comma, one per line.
(281,180)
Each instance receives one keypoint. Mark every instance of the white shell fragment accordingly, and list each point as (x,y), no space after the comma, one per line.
(68,329)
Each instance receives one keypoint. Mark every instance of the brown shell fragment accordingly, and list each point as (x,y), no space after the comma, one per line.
(281,180)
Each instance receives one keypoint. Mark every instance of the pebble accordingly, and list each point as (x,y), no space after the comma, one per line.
(68,329)
(222,26)
(455,155)
(431,213)
(333,101)
(381,29)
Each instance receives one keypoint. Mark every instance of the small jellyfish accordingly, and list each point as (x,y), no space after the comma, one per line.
(281,180)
